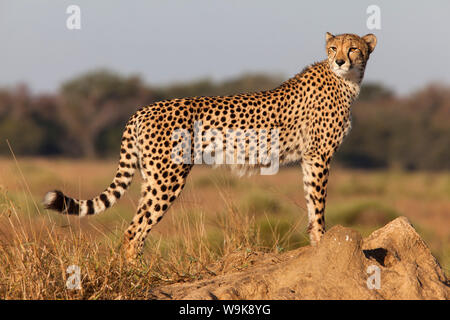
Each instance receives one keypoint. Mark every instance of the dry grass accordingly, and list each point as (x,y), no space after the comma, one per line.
(220,224)
(36,252)
(37,247)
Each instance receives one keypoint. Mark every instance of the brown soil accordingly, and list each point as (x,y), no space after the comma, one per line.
(338,268)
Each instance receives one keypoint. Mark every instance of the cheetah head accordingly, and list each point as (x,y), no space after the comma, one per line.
(348,54)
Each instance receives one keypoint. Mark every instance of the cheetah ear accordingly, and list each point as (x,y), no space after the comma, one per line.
(328,36)
(371,41)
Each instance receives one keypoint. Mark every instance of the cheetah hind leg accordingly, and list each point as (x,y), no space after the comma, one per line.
(157,195)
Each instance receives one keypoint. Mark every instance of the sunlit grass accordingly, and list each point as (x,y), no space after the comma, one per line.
(215,227)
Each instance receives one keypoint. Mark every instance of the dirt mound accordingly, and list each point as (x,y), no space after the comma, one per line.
(392,263)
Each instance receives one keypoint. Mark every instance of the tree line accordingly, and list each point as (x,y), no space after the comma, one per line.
(85,118)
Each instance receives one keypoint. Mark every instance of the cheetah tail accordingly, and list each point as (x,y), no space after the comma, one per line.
(56,200)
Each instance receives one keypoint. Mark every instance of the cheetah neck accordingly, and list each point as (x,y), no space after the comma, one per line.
(322,71)
(354,87)
(352,79)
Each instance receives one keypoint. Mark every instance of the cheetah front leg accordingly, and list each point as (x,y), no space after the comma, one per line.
(315,179)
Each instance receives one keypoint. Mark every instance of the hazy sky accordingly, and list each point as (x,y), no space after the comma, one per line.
(178,40)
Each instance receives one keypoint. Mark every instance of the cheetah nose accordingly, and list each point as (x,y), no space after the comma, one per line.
(340,62)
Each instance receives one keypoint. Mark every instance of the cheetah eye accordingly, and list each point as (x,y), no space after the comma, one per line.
(333,49)
(353,49)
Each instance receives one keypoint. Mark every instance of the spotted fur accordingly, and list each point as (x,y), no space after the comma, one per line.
(310,110)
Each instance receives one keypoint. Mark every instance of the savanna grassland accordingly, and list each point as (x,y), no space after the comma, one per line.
(218,225)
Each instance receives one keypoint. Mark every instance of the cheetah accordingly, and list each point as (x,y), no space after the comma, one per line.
(311,113)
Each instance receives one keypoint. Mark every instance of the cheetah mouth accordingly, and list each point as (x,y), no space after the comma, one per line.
(352,72)
(344,67)
(342,71)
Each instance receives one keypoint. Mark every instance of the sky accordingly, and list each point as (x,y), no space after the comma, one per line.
(166,41)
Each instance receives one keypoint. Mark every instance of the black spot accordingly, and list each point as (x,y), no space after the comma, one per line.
(105,200)
(90,205)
